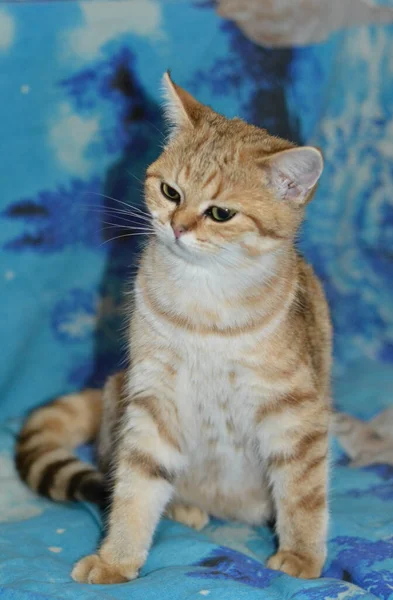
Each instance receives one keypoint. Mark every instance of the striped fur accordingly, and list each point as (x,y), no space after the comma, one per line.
(224,409)
(44,453)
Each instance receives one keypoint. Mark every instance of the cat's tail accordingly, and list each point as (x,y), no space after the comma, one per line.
(45,456)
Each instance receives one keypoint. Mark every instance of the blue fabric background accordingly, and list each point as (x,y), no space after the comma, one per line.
(80,120)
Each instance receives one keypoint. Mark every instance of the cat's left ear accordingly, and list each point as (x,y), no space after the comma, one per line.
(181,109)
(293,173)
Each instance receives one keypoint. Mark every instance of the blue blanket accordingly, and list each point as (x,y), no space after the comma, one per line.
(81,119)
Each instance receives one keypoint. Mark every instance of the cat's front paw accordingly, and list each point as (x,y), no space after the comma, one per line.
(296,564)
(92,569)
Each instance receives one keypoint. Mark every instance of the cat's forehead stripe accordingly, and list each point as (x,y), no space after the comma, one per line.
(218,189)
(150,174)
(210,179)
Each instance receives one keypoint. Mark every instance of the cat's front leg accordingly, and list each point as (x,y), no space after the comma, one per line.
(148,461)
(298,473)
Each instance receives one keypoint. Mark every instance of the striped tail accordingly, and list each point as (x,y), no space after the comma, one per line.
(44,454)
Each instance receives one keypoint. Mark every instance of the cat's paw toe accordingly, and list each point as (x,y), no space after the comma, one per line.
(92,569)
(296,564)
(192,516)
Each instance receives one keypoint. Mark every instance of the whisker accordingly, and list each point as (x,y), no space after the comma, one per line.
(156,128)
(131,227)
(118,237)
(141,215)
(133,207)
(126,204)
(126,220)
(143,212)
(115,210)
(127,217)
(102,208)
(129,206)
(121,229)
(135,177)
(120,214)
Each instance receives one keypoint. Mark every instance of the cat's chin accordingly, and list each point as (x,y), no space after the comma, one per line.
(183,252)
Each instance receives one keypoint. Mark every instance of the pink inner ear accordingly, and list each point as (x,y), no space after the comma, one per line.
(293,173)
(294,192)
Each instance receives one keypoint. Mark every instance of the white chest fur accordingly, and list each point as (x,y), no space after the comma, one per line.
(216,398)
(225,475)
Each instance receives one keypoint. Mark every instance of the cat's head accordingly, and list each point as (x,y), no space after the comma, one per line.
(223,188)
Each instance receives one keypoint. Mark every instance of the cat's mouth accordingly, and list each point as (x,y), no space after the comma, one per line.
(185,250)
(180,247)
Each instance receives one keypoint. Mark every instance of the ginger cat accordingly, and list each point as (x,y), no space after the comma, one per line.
(225,406)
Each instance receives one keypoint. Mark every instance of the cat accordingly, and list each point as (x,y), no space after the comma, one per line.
(366,443)
(224,409)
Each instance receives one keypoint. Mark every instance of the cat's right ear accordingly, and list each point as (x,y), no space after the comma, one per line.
(294,173)
(181,109)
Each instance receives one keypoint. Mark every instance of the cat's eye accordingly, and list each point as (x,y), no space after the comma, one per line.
(219,214)
(170,193)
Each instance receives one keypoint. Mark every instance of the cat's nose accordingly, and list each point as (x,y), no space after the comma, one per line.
(178,230)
